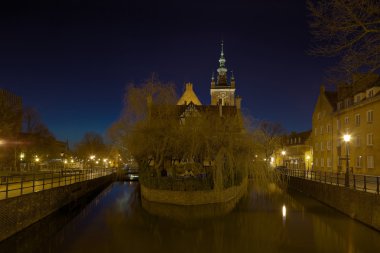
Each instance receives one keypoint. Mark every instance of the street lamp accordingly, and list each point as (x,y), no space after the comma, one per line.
(308,160)
(347,139)
(283,153)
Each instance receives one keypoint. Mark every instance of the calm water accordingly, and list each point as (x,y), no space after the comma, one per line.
(114,221)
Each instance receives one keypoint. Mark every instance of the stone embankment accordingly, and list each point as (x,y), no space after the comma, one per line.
(192,204)
(359,205)
(20,212)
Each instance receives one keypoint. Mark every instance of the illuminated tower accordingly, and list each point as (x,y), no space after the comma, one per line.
(221,91)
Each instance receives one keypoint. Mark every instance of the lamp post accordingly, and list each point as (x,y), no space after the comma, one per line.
(308,160)
(283,153)
(347,139)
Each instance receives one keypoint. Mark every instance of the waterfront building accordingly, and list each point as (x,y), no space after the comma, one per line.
(297,152)
(352,110)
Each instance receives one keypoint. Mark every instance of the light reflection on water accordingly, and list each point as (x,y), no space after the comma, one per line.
(263,221)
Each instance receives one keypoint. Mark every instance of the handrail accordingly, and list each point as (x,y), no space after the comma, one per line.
(359,182)
(25,183)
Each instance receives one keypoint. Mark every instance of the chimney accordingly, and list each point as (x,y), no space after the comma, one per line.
(189,86)
(238,102)
(322,89)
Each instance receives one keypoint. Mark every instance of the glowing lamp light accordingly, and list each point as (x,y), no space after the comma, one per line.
(283,152)
(283,211)
(346,137)
(92,157)
(308,157)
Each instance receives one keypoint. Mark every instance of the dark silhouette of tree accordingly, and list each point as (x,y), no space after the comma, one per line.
(348,30)
(91,144)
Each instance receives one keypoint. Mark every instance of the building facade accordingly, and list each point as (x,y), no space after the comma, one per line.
(353,110)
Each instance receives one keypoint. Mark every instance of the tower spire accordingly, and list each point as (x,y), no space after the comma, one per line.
(222,70)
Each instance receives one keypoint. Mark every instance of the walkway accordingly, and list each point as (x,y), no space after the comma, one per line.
(16,185)
(360,182)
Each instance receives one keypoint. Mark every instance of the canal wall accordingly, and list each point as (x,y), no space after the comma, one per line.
(191,205)
(190,198)
(359,205)
(20,212)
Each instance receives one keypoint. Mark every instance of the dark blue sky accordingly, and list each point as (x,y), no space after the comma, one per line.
(72,59)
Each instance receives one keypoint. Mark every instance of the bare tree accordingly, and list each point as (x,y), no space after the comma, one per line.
(10,119)
(91,144)
(348,30)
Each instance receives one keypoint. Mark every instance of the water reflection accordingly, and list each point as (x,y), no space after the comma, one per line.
(265,220)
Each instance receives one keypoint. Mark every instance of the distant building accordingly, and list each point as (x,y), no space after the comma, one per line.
(354,110)
(297,152)
(222,92)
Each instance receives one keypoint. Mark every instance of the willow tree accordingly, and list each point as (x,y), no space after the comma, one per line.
(158,135)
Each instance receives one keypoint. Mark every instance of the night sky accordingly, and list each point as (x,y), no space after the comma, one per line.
(72,59)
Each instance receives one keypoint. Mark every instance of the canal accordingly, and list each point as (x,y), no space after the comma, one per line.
(263,221)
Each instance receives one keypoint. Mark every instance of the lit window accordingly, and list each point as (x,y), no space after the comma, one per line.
(316,162)
(328,145)
(328,128)
(321,131)
(328,161)
(357,119)
(347,102)
(359,162)
(322,162)
(370,162)
(370,93)
(369,116)
(358,141)
(370,139)
(319,115)
(346,120)
(321,146)
(357,98)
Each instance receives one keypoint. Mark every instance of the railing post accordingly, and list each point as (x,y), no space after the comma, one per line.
(52,179)
(34,180)
(337,178)
(354,181)
(43,181)
(365,183)
(325,177)
(377,185)
(22,184)
(6,188)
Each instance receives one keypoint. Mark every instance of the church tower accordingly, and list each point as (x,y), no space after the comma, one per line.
(221,91)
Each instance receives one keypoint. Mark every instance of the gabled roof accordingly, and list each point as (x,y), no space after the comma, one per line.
(332,98)
(189,96)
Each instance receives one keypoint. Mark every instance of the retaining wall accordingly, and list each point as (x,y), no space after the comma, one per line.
(20,212)
(188,198)
(362,206)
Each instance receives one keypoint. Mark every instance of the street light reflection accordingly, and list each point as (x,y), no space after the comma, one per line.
(283,214)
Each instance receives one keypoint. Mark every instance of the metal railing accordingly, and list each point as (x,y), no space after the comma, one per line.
(25,183)
(360,182)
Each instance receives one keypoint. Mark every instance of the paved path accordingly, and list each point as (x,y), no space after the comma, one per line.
(16,188)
